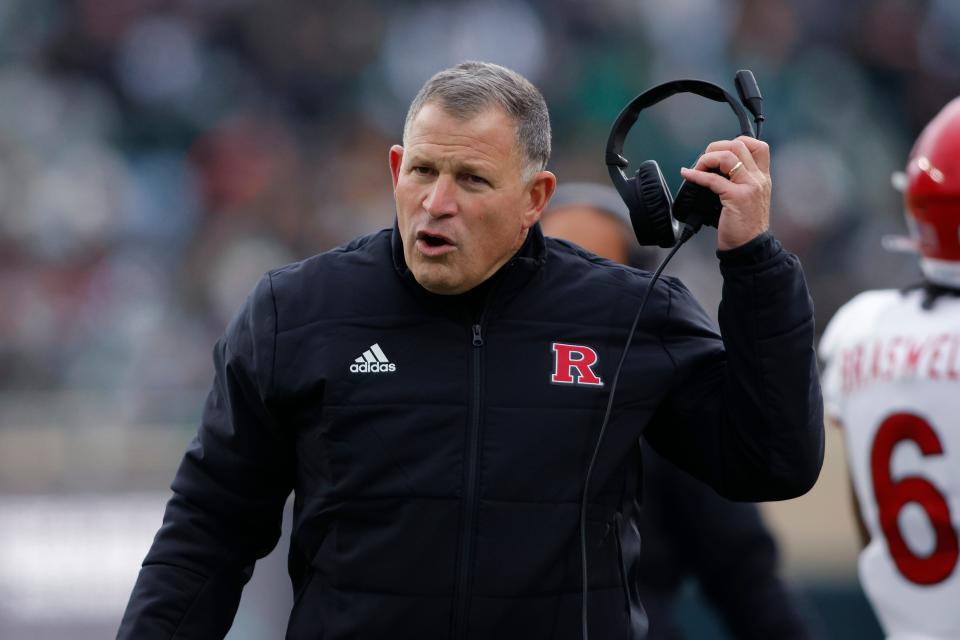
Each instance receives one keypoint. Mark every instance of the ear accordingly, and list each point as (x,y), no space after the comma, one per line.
(539,191)
(396,159)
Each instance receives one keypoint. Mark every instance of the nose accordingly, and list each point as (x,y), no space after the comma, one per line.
(441,199)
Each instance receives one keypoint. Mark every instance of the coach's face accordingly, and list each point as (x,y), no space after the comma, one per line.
(463,206)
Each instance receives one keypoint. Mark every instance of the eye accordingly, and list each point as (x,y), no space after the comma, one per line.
(421,170)
(475,180)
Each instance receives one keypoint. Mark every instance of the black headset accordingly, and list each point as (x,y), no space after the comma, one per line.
(655,215)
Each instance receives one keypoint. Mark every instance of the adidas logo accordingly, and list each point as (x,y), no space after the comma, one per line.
(373,360)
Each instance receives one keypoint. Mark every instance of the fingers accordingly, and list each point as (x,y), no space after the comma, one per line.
(750,151)
(719,184)
(742,180)
(759,150)
(729,163)
(725,161)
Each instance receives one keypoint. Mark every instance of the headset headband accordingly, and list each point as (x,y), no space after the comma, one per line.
(628,117)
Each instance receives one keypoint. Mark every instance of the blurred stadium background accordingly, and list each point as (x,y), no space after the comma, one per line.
(156,156)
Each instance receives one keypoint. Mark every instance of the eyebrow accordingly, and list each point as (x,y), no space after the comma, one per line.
(463,166)
(469,167)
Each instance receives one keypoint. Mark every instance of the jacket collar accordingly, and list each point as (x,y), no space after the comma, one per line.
(506,282)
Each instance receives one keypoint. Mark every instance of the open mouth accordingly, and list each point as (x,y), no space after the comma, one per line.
(432,240)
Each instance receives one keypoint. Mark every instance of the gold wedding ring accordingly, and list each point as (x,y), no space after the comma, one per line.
(736,168)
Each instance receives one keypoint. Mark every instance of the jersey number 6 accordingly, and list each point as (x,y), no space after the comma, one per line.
(892,496)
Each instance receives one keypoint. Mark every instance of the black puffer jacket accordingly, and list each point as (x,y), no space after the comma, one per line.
(439,497)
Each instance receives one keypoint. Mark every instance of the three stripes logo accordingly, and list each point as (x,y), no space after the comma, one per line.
(373,360)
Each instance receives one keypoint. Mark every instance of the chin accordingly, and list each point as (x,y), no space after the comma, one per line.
(438,283)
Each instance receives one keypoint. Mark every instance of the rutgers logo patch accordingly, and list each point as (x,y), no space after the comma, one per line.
(573,364)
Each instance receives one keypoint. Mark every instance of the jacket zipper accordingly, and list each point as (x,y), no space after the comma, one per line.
(470,498)
(470,490)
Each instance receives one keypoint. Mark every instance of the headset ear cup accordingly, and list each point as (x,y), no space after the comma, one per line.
(697,205)
(653,219)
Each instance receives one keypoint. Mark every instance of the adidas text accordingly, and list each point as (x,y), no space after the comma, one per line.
(372,367)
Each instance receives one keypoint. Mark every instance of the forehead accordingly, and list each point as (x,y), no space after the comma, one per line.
(489,135)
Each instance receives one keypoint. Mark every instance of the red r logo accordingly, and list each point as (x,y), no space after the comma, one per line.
(573,364)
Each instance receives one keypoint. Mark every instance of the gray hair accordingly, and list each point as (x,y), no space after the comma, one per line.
(472,87)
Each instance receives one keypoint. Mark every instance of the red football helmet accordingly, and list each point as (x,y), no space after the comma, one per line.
(932,196)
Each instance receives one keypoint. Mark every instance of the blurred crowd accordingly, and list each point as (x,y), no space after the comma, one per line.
(156,156)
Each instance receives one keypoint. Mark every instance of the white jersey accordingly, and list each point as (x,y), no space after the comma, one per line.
(892,378)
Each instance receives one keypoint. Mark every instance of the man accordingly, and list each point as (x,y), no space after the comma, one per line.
(892,382)
(686,529)
(431,394)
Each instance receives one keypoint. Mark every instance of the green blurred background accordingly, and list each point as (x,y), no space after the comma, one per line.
(156,156)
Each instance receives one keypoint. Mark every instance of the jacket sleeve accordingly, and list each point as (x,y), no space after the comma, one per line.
(744,413)
(228,493)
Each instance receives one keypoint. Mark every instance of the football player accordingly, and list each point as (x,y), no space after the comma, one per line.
(892,383)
